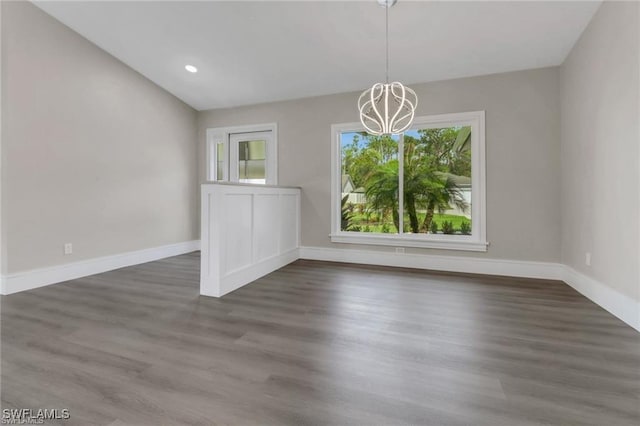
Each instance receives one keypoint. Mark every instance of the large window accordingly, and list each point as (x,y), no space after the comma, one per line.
(245,154)
(424,188)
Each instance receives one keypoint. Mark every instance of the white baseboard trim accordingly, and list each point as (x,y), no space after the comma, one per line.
(618,304)
(27,280)
(244,276)
(473,265)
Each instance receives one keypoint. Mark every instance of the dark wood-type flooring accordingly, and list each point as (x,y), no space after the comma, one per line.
(318,343)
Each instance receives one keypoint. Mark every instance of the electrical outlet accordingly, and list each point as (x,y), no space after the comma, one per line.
(587,259)
(68,248)
(400,250)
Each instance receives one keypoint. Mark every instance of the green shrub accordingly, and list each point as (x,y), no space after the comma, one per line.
(434,227)
(354,228)
(385,228)
(465,227)
(366,229)
(447,227)
(347,214)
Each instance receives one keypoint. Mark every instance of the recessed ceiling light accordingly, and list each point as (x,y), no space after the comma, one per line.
(191,68)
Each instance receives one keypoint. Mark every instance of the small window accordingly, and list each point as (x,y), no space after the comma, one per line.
(423,188)
(246,154)
(220,161)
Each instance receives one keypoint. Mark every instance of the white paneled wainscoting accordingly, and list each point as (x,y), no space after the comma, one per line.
(247,231)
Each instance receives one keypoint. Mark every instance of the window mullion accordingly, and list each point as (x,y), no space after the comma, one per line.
(401,184)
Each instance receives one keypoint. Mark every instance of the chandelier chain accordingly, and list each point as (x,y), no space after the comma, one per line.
(387,37)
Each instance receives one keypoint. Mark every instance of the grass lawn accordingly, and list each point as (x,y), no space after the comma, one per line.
(456,220)
(375,225)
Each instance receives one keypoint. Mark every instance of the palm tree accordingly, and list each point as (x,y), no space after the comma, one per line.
(428,183)
(420,180)
(425,187)
(443,194)
(382,189)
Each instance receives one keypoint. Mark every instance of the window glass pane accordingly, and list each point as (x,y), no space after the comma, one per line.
(251,161)
(437,181)
(369,183)
(220,165)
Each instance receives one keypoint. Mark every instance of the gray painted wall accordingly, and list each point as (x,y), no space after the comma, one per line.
(97,155)
(93,153)
(600,149)
(523,155)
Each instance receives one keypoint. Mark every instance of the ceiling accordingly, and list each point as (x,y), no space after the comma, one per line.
(254,52)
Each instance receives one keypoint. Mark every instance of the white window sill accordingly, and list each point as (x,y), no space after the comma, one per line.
(449,242)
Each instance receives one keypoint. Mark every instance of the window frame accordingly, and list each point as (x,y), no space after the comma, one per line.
(222,135)
(477,241)
(235,139)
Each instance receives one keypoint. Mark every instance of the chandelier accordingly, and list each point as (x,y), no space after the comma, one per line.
(387,108)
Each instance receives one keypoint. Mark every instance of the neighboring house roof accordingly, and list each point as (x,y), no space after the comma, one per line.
(347,183)
(359,190)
